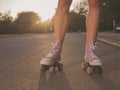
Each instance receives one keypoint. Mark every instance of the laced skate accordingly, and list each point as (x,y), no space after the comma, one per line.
(90,56)
(91,62)
(51,60)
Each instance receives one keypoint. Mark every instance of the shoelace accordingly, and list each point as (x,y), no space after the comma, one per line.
(92,50)
(54,47)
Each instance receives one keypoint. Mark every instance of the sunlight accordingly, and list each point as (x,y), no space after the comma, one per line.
(45,8)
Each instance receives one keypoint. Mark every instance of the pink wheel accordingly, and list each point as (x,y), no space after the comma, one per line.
(52,69)
(89,70)
(60,66)
(83,66)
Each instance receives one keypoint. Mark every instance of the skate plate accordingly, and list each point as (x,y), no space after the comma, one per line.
(92,69)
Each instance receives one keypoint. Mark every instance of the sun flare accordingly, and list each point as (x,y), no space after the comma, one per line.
(44,8)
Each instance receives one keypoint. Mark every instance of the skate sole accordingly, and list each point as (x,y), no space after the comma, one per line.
(52,68)
(92,68)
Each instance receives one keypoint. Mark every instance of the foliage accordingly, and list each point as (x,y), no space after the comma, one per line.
(77,22)
(109,12)
(28,20)
(25,22)
(78,17)
(6,22)
(5,17)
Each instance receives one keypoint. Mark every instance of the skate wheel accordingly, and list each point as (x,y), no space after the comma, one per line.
(98,70)
(83,66)
(60,67)
(52,69)
(44,68)
(89,70)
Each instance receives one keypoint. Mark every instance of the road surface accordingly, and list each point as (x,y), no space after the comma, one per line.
(20,69)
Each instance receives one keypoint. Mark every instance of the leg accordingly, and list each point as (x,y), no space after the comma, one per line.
(92,26)
(61,19)
(92,20)
(61,25)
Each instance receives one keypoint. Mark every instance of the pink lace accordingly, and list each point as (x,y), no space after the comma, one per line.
(55,51)
(90,51)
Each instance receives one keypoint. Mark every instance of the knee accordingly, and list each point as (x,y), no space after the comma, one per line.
(94,4)
(64,5)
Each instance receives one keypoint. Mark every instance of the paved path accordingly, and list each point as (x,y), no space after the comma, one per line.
(20,69)
(110,38)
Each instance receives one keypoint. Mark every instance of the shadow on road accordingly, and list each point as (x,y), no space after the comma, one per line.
(111,61)
(57,81)
(104,83)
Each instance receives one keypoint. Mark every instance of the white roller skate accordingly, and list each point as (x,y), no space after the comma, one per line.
(51,61)
(91,63)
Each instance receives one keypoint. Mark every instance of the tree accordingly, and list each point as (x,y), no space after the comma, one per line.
(109,12)
(78,16)
(6,17)
(81,7)
(28,20)
(77,21)
(6,23)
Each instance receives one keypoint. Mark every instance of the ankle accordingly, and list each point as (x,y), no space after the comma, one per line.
(90,47)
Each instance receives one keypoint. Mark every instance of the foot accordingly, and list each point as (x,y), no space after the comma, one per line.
(90,56)
(54,55)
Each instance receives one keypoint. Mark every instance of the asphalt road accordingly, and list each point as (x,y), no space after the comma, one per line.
(110,38)
(20,68)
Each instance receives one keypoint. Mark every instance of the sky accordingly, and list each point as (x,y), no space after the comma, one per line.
(45,8)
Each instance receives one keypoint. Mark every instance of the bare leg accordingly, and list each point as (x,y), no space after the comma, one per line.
(92,27)
(92,20)
(61,25)
(61,19)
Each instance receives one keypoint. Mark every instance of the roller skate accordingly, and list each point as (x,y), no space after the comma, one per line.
(91,63)
(51,61)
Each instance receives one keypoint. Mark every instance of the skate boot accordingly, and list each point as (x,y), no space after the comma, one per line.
(91,63)
(51,60)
